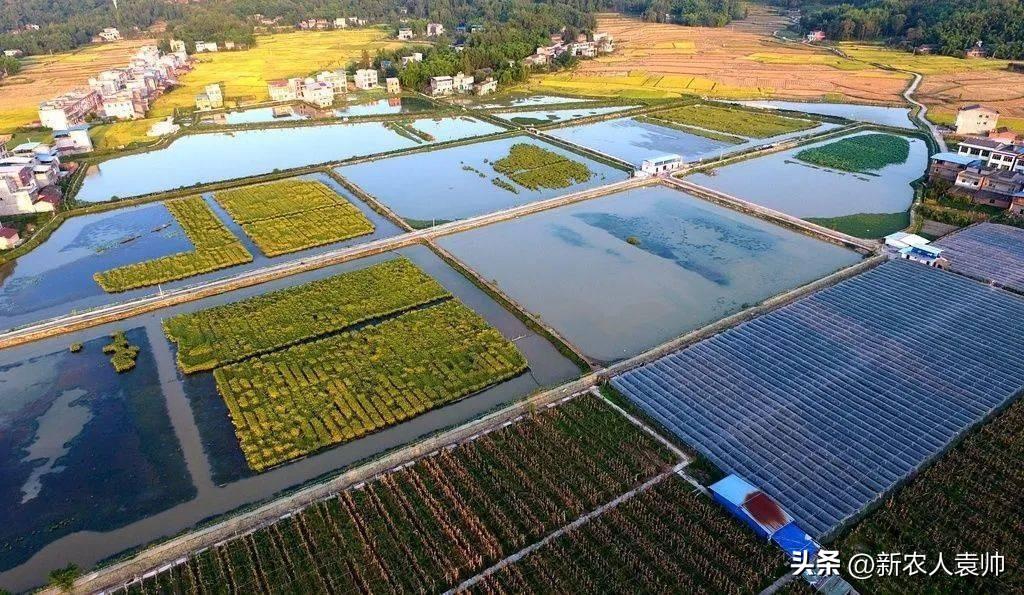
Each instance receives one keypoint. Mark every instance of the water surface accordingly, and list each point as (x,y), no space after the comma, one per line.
(533,100)
(457,183)
(211,157)
(623,273)
(782,182)
(560,115)
(875,114)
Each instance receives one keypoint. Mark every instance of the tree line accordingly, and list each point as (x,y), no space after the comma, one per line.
(952,26)
(704,13)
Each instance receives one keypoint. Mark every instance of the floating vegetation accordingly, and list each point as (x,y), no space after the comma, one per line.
(293,215)
(535,167)
(75,347)
(293,402)
(215,247)
(122,353)
(734,120)
(223,334)
(505,185)
(409,131)
(861,153)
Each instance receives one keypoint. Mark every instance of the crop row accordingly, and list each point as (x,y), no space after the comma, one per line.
(966,503)
(216,336)
(734,120)
(861,153)
(292,402)
(430,525)
(292,215)
(535,167)
(668,538)
(214,248)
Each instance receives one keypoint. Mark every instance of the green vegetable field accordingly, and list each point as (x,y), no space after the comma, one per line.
(734,120)
(223,334)
(215,247)
(293,402)
(535,167)
(861,153)
(292,215)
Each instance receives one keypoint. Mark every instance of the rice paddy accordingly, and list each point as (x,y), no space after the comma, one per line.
(292,215)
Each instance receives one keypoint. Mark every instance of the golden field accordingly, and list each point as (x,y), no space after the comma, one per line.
(744,61)
(43,77)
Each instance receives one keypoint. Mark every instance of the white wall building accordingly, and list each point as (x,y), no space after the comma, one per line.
(366,78)
(976,119)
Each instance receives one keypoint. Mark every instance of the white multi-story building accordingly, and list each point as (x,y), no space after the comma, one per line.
(393,85)
(441,85)
(69,109)
(462,83)
(996,154)
(435,29)
(405,34)
(206,46)
(124,105)
(178,46)
(110,34)
(337,79)
(486,87)
(366,78)
(976,119)
(414,57)
(318,94)
(73,140)
(109,81)
(284,89)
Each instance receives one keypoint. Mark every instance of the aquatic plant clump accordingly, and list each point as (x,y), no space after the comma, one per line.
(223,334)
(861,153)
(293,402)
(215,247)
(292,215)
(535,167)
(734,120)
(122,353)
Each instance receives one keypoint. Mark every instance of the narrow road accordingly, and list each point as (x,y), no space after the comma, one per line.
(922,112)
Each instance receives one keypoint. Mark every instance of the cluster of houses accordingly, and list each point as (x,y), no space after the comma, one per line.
(988,165)
(433,30)
(602,43)
(322,89)
(326,24)
(441,86)
(28,179)
(119,93)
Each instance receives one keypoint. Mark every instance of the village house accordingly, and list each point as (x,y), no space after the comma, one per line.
(210,98)
(991,187)
(978,51)
(110,81)
(9,237)
(340,23)
(462,83)
(284,89)
(815,36)
(178,46)
(124,105)
(356,21)
(13,53)
(441,85)
(605,43)
(996,154)
(109,34)
(206,46)
(414,57)
(583,49)
(976,120)
(319,94)
(486,87)
(73,140)
(337,79)
(394,87)
(28,177)
(435,29)
(366,78)
(69,109)
(405,34)
(948,165)
(660,165)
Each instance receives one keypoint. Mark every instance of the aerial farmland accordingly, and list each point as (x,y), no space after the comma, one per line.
(659,307)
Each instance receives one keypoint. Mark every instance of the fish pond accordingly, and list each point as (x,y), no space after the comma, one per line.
(620,274)
(259,115)
(633,140)
(204,158)
(529,100)
(782,182)
(898,117)
(380,107)
(538,117)
(56,278)
(82,448)
(455,183)
(41,445)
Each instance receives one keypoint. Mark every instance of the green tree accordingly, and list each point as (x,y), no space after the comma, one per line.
(64,578)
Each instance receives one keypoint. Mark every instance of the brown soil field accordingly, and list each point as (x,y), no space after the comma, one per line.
(43,77)
(999,89)
(735,62)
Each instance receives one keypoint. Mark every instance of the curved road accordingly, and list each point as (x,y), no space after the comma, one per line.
(922,112)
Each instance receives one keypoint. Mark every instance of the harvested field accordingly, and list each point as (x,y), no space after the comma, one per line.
(214,248)
(292,215)
(658,60)
(428,526)
(294,402)
(44,77)
(231,332)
